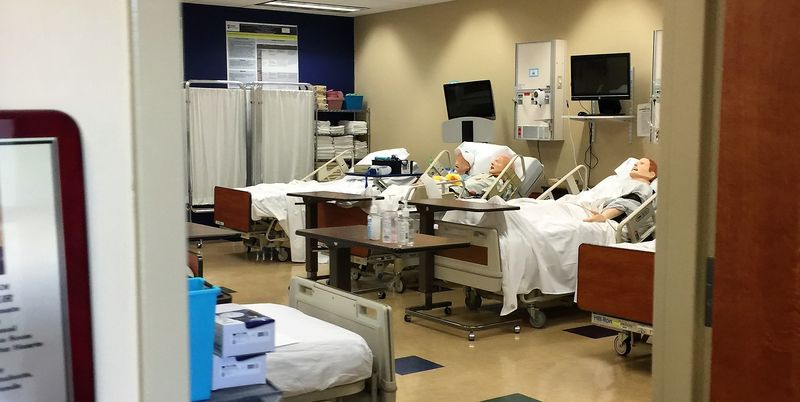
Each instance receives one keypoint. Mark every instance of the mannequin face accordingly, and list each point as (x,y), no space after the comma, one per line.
(498,164)
(642,170)
(461,165)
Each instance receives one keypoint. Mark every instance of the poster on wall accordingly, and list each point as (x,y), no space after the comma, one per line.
(261,52)
(45,324)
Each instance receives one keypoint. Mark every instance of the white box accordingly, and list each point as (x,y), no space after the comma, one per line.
(238,371)
(240,331)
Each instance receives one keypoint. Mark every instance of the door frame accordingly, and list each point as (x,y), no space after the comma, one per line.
(686,217)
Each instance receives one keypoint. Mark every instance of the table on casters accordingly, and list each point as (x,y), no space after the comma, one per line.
(427,208)
(341,239)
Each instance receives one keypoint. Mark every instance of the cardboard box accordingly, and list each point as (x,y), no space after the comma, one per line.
(240,331)
(238,371)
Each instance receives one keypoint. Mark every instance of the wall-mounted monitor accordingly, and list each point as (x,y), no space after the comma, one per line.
(469,99)
(601,76)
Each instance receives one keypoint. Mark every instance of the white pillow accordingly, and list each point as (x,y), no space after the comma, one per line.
(654,184)
(484,154)
(624,169)
(401,153)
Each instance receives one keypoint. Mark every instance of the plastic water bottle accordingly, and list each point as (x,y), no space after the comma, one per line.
(388,227)
(374,223)
(404,227)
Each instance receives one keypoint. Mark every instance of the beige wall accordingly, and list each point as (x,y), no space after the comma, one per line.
(404,57)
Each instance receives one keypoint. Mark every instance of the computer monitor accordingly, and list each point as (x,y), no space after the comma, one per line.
(602,77)
(469,99)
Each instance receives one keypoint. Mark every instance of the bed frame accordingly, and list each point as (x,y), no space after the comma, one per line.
(479,269)
(369,319)
(232,211)
(616,285)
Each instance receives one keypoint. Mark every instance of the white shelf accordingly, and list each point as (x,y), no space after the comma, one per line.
(609,117)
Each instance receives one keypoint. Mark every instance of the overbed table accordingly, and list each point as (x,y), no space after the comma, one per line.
(199,233)
(340,239)
(427,208)
(312,199)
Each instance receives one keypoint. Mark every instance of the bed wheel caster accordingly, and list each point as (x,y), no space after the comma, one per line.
(472,299)
(407,318)
(381,295)
(471,337)
(283,254)
(517,328)
(248,249)
(622,344)
(538,318)
(355,275)
(398,285)
(448,310)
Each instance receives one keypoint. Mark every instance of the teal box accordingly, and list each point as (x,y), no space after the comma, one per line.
(353,102)
(202,305)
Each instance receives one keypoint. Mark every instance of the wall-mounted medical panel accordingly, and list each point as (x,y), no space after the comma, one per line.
(540,90)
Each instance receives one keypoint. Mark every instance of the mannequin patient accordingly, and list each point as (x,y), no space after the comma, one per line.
(464,161)
(636,190)
(476,185)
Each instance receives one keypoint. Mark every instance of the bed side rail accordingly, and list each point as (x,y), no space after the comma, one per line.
(333,169)
(370,319)
(441,162)
(640,224)
(569,179)
(508,184)
(232,209)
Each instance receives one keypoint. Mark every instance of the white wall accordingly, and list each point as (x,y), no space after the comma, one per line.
(77,57)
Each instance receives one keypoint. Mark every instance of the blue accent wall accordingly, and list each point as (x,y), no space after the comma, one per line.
(325,43)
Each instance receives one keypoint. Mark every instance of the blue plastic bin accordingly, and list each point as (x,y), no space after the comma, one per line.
(202,304)
(353,102)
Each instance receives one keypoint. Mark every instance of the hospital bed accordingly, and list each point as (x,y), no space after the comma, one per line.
(254,215)
(480,268)
(339,344)
(616,284)
(517,179)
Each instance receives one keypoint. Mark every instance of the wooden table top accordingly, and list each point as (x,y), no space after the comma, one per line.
(356,235)
(461,205)
(333,196)
(196,231)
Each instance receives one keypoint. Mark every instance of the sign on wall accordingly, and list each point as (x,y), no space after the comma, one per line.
(261,52)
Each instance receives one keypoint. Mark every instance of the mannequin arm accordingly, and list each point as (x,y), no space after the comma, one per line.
(608,213)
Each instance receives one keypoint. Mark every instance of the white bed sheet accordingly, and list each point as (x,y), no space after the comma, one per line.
(538,244)
(323,357)
(643,246)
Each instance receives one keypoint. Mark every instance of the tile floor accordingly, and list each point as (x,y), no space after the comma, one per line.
(545,365)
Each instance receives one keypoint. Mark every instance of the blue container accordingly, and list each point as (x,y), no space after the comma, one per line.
(202,304)
(353,102)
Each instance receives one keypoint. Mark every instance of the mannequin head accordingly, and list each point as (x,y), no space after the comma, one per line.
(645,169)
(464,161)
(498,164)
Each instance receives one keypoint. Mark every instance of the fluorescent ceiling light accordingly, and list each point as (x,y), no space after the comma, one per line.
(312,6)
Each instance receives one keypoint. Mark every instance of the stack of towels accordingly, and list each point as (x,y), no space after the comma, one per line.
(354,127)
(337,130)
(320,93)
(342,143)
(325,148)
(362,149)
(323,127)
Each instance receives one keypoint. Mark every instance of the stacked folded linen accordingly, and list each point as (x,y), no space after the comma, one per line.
(362,149)
(323,127)
(337,130)
(354,127)
(320,93)
(325,148)
(343,143)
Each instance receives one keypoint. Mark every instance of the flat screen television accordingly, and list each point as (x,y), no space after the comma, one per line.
(469,99)
(601,76)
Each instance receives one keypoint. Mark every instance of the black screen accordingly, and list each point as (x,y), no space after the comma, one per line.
(601,76)
(469,99)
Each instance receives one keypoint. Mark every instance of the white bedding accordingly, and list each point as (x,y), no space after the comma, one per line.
(643,246)
(538,244)
(324,355)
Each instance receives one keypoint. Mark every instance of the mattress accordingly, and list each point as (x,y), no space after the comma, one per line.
(311,354)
